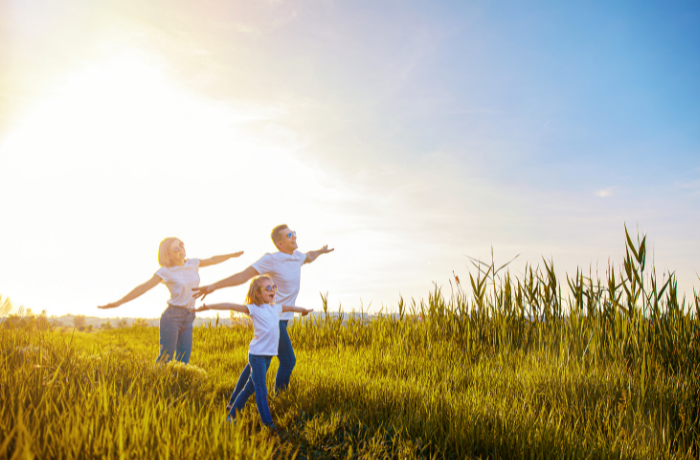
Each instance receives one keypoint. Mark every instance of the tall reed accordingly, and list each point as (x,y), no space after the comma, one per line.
(502,367)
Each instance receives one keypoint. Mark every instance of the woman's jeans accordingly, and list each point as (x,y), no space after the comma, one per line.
(176,334)
(257,383)
(285,354)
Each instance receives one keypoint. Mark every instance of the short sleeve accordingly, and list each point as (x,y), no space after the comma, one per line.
(193,262)
(250,310)
(302,256)
(264,265)
(163,273)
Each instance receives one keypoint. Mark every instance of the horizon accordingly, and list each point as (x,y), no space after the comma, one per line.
(405,136)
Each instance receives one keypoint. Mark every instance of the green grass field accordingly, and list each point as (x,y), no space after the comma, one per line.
(499,368)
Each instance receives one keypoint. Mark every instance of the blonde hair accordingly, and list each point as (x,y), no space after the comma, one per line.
(254,295)
(164,251)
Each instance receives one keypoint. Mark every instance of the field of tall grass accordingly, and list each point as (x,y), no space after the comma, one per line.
(499,367)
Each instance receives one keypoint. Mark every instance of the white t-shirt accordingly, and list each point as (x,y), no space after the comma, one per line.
(266,321)
(180,281)
(285,271)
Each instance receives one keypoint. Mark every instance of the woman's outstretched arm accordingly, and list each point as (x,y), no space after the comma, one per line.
(225,306)
(218,259)
(136,292)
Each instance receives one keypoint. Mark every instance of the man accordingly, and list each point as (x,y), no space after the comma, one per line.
(284,267)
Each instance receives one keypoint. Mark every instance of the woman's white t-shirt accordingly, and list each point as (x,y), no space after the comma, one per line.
(180,281)
(266,321)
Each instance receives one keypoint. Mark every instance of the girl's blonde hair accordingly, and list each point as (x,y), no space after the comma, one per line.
(254,295)
(164,252)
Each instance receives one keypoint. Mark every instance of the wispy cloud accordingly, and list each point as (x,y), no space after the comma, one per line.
(606,192)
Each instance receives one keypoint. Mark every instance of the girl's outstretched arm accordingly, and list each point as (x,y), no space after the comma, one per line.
(218,259)
(225,306)
(303,311)
(136,292)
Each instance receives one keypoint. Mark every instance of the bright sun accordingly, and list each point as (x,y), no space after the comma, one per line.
(120,151)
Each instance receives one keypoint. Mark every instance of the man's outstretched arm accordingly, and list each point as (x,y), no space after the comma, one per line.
(313,255)
(233,280)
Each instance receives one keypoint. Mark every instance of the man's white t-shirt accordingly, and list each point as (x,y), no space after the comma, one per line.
(266,322)
(180,281)
(285,271)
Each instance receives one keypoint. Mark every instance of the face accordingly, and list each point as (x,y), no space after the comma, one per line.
(267,296)
(177,250)
(285,242)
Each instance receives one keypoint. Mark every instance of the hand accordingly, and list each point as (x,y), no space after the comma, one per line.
(202,308)
(202,291)
(109,305)
(235,254)
(306,311)
(325,250)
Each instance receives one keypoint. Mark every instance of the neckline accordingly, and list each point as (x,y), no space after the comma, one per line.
(180,266)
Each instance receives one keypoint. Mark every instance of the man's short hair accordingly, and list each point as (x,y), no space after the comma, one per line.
(276,230)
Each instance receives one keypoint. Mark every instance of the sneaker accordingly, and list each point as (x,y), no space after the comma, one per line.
(272,427)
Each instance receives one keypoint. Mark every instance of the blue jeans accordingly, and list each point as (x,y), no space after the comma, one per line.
(176,334)
(285,354)
(257,383)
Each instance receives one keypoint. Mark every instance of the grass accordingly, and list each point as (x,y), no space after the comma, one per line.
(502,368)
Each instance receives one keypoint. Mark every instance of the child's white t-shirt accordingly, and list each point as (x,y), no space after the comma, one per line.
(180,281)
(266,321)
(285,271)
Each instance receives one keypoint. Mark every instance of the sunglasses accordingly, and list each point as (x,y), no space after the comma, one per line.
(269,288)
(291,234)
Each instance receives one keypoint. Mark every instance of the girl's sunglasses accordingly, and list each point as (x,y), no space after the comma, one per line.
(269,288)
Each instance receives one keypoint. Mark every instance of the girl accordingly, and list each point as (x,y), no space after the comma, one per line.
(180,275)
(265,315)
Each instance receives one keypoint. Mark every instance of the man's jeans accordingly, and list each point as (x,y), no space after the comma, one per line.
(257,383)
(176,334)
(285,354)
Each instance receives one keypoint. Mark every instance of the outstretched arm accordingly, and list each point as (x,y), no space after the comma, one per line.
(233,280)
(313,255)
(218,259)
(136,292)
(303,311)
(225,306)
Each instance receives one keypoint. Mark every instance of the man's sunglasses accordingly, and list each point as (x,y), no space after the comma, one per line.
(291,234)
(269,288)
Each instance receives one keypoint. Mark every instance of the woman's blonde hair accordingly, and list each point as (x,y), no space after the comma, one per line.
(164,252)
(254,295)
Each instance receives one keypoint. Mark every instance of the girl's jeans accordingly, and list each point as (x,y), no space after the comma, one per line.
(257,383)
(285,354)
(176,334)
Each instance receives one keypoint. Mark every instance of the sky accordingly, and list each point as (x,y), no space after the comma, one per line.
(406,135)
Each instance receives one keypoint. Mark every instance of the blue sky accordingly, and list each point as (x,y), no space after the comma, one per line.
(405,134)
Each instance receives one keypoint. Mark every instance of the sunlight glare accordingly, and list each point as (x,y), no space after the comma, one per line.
(123,153)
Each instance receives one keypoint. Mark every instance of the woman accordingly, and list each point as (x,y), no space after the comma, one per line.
(180,275)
